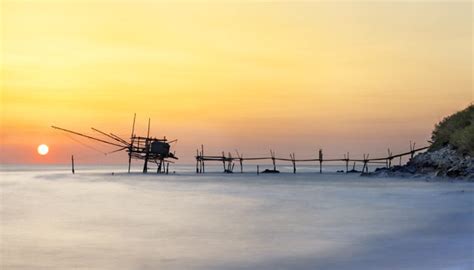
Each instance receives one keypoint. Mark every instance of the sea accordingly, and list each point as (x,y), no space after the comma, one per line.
(102,217)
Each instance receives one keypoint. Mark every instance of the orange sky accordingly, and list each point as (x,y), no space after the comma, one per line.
(344,76)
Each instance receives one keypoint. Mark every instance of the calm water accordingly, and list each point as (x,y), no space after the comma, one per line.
(51,219)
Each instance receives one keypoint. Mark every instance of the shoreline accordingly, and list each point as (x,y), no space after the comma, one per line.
(445,163)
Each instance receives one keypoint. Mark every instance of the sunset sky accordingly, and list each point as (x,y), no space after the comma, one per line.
(294,77)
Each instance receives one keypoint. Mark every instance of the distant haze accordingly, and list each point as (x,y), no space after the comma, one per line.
(294,77)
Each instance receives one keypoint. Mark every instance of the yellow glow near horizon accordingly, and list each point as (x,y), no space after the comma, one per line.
(251,75)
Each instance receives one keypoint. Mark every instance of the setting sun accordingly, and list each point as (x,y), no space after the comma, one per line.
(43,149)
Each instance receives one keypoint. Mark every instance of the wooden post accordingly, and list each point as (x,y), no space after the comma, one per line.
(72,164)
(258,170)
(347,161)
(241,160)
(131,144)
(223,160)
(366,160)
(412,149)
(293,160)
(197,161)
(363,167)
(230,164)
(273,159)
(389,160)
(400,162)
(320,160)
(202,159)
(167,167)
(159,166)
(147,151)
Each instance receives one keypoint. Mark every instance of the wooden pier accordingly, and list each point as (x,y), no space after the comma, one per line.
(228,161)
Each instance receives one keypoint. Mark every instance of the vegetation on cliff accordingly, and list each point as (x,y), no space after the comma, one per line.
(450,155)
(456,130)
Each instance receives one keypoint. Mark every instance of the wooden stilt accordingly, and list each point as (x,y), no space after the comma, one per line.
(293,160)
(131,143)
(202,160)
(389,160)
(159,166)
(147,147)
(72,164)
(197,161)
(273,159)
(412,149)
(365,168)
(223,160)
(241,160)
(320,160)
(230,164)
(347,161)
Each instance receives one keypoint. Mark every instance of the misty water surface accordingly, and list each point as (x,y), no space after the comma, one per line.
(51,219)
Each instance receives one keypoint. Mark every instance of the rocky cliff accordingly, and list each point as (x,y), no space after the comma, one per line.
(450,155)
(445,162)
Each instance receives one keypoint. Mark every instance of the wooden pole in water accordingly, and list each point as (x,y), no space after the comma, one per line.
(347,161)
(389,160)
(365,168)
(72,164)
(223,160)
(147,150)
(293,160)
(258,170)
(412,149)
(131,144)
(159,166)
(320,160)
(241,160)
(197,161)
(202,160)
(273,159)
(230,164)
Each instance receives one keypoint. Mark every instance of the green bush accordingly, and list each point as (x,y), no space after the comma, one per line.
(456,130)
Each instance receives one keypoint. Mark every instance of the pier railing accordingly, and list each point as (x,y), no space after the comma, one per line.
(228,161)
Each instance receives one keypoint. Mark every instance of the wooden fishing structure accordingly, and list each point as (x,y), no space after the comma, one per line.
(229,161)
(149,149)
